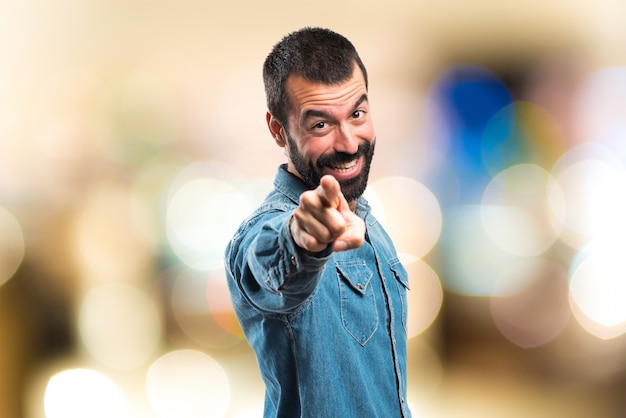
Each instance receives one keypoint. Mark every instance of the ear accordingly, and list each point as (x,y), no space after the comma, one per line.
(276,129)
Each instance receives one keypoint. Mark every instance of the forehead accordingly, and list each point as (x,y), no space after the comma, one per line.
(304,94)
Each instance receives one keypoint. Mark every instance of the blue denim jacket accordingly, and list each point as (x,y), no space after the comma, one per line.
(328,329)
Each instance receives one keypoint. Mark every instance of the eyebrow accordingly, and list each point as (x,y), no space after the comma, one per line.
(313,113)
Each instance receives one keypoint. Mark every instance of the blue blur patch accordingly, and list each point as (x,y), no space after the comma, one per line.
(467,98)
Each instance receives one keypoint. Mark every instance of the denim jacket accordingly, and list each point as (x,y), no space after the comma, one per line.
(328,329)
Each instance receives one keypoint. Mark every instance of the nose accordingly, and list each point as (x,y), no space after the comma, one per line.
(346,140)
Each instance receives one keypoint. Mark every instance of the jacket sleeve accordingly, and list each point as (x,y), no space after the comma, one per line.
(272,273)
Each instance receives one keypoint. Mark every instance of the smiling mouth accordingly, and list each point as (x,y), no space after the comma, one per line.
(345,170)
(345,167)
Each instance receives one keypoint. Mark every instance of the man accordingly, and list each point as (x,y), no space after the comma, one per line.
(315,280)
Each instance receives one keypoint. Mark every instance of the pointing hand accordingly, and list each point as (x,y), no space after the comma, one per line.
(324,217)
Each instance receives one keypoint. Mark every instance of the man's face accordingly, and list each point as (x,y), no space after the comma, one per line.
(330,132)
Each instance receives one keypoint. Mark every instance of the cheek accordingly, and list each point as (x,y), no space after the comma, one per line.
(314,147)
(367,132)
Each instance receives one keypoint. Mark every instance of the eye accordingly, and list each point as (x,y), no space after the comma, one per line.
(319,125)
(357,114)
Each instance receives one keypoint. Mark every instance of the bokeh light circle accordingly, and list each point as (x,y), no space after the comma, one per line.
(589,200)
(12,245)
(79,393)
(202,215)
(119,325)
(514,210)
(425,297)
(598,288)
(187,383)
(410,212)
(473,261)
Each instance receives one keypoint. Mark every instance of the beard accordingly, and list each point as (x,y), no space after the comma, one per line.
(313,171)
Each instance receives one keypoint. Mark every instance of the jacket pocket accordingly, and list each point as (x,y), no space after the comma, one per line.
(359,316)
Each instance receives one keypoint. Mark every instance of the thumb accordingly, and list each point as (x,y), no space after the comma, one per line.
(354,234)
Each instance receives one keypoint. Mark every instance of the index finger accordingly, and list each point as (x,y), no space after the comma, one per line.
(329,191)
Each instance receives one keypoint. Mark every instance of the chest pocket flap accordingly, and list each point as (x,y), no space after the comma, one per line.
(356,274)
(400,273)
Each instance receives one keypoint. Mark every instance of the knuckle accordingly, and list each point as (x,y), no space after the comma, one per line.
(327,236)
(311,243)
(306,199)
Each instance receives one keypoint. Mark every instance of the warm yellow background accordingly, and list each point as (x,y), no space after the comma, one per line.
(103,103)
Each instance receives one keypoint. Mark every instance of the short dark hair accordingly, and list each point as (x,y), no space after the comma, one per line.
(317,55)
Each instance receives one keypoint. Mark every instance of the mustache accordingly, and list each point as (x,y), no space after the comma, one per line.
(336,158)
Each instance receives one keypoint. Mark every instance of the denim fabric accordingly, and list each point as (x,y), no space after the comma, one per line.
(328,329)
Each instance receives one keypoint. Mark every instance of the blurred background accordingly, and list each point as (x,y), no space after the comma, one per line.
(133,142)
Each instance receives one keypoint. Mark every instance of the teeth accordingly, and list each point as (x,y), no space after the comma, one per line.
(345,166)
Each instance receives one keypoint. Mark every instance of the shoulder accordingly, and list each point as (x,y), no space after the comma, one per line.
(273,206)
